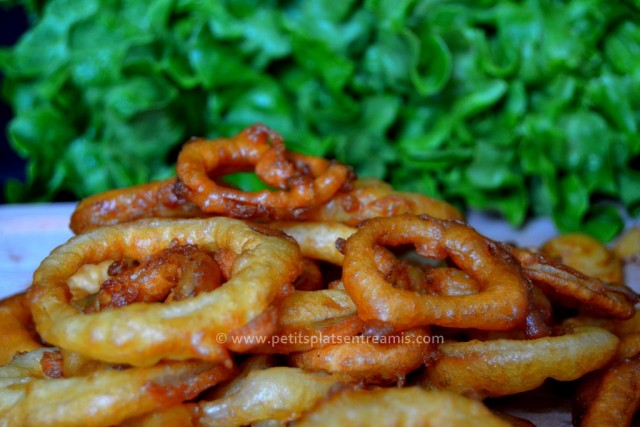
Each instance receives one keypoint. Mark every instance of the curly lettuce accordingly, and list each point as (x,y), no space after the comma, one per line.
(522,108)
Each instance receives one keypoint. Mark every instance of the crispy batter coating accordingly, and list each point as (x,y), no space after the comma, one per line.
(149,200)
(18,331)
(372,198)
(504,300)
(384,359)
(300,182)
(502,367)
(585,254)
(408,407)
(277,393)
(103,398)
(142,334)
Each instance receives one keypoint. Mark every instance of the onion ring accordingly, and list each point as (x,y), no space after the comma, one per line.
(590,293)
(277,393)
(317,240)
(153,199)
(408,407)
(585,254)
(310,181)
(371,198)
(17,329)
(313,319)
(611,398)
(105,397)
(142,334)
(502,367)
(502,305)
(371,359)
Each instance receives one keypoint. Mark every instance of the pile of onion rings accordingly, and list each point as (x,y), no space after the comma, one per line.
(322,299)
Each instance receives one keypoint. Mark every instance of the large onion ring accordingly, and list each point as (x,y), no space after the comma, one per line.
(407,407)
(502,367)
(503,303)
(141,334)
(310,181)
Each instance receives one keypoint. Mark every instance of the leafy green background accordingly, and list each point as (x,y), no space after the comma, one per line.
(522,108)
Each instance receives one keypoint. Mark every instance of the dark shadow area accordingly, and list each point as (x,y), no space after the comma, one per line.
(13,23)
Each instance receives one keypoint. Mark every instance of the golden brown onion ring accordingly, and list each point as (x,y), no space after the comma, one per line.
(588,293)
(371,198)
(502,367)
(317,240)
(308,181)
(503,303)
(16,328)
(407,407)
(105,397)
(277,393)
(628,244)
(182,415)
(372,359)
(313,319)
(611,398)
(153,199)
(141,334)
(585,254)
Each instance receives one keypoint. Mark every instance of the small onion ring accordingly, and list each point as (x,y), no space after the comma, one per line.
(503,304)
(502,367)
(310,181)
(142,334)
(407,407)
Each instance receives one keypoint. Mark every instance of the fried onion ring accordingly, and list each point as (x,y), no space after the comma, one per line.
(503,303)
(153,199)
(317,240)
(105,397)
(381,359)
(313,319)
(371,198)
(277,393)
(142,334)
(408,407)
(502,367)
(575,287)
(308,181)
(16,324)
(585,254)
(611,398)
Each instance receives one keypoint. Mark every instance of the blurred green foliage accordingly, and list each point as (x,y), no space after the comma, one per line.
(525,108)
